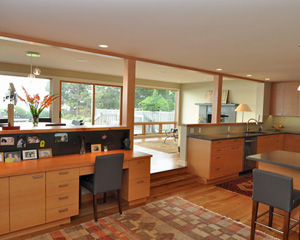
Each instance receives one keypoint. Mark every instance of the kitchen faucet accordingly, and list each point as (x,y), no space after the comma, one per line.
(253,119)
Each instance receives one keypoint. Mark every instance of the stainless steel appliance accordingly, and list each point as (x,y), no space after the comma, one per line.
(250,145)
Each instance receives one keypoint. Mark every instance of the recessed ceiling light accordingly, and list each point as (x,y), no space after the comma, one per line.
(219,69)
(267,79)
(81,60)
(103,46)
(249,75)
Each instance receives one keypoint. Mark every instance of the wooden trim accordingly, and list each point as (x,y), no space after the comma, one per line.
(217,99)
(93,105)
(59,114)
(153,123)
(215,124)
(92,50)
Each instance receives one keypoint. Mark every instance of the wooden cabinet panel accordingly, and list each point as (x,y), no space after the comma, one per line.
(4,205)
(290,107)
(277,97)
(53,189)
(138,188)
(62,212)
(292,142)
(62,175)
(270,143)
(62,200)
(139,168)
(27,201)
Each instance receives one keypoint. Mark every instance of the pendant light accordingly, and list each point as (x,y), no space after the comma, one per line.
(36,71)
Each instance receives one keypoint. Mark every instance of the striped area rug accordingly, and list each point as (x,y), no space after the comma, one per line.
(171,218)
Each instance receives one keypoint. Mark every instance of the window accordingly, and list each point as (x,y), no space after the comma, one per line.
(33,86)
(77,103)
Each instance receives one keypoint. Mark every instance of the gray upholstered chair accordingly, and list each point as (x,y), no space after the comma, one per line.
(107,177)
(276,191)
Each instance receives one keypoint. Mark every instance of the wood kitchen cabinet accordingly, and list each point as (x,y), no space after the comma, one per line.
(292,142)
(285,99)
(270,143)
(4,205)
(27,201)
(213,160)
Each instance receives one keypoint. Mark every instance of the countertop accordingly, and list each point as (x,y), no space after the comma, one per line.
(224,136)
(281,158)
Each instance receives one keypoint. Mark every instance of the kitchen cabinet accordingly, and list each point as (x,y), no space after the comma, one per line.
(285,99)
(4,205)
(292,142)
(213,160)
(27,201)
(270,143)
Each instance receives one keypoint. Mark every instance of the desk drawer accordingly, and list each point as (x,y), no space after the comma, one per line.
(139,169)
(61,212)
(90,169)
(62,200)
(227,143)
(53,189)
(139,188)
(62,175)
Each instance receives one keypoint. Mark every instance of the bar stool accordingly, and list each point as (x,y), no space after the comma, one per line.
(276,191)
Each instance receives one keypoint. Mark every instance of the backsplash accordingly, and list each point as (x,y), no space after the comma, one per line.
(289,123)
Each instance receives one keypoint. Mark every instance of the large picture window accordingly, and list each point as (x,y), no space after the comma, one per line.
(33,86)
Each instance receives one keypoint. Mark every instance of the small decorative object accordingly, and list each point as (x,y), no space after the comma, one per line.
(42,143)
(33,139)
(35,106)
(7,141)
(60,137)
(1,157)
(126,143)
(11,95)
(82,148)
(278,127)
(12,156)
(29,154)
(105,148)
(45,153)
(96,148)
(104,136)
(21,142)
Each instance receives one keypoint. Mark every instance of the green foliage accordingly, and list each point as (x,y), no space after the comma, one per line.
(107,97)
(156,102)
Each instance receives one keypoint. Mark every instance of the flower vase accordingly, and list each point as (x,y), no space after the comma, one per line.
(82,148)
(35,120)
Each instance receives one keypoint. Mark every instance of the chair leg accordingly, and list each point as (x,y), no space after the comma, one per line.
(79,196)
(286,225)
(271,216)
(95,208)
(104,197)
(253,219)
(119,202)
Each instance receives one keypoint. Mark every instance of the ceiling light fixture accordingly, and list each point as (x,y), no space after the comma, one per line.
(249,75)
(36,71)
(82,60)
(219,69)
(267,79)
(103,46)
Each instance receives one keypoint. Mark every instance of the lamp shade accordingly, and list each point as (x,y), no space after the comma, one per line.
(298,89)
(243,108)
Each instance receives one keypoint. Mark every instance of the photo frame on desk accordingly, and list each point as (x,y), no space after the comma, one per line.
(14,156)
(45,153)
(96,148)
(1,157)
(29,154)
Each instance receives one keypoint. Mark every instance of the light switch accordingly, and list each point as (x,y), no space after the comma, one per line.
(192,130)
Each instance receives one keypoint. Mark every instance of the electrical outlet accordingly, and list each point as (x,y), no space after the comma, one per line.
(228,128)
(199,130)
(192,130)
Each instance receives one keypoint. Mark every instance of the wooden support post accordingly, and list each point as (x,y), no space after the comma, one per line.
(129,97)
(217,99)
(10,113)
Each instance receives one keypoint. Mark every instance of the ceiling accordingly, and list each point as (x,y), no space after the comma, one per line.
(254,37)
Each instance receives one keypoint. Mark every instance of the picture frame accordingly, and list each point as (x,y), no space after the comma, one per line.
(33,139)
(14,156)
(1,157)
(96,148)
(29,154)
(60,137)
(45,153)
(21,141)
(7,141)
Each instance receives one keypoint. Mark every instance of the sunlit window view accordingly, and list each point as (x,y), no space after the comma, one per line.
(33,86)
(153,106)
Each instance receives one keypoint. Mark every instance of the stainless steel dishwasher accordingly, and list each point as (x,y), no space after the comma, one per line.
(250,145)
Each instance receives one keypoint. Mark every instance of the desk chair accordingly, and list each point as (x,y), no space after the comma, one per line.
(107,177)
(276,191)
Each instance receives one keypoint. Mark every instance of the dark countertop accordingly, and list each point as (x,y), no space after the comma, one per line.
(281,158)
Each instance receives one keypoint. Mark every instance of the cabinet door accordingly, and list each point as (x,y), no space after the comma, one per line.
(27,201)
(277,98)
(264,144)
(290,100)
(4,205)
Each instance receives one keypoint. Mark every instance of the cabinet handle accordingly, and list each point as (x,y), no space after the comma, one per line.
(218,157)
(217,169)
(63,198)
(63,173)
(140,161)
(38,176)
(63,185)
(141,181)
(218,150)
(63,210)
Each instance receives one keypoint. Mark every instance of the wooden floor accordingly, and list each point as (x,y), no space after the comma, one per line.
(224,202)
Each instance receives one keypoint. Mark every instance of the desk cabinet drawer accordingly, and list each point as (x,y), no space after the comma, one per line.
(139,169)
(139,188)
(62,175)
(61,212)
(62,200)
(53,189)
(227,143)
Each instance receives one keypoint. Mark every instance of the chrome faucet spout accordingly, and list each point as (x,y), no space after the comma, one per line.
(251,119)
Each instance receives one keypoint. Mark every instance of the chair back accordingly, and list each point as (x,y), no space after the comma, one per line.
(273,189)
(108,173)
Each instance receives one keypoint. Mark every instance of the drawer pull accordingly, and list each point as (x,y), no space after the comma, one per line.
(218,157)
(63,198)
(63,185)
(63,210)
(217,169)
(140,161)
(63,173)
(141,181)
(218,150)
(37,176)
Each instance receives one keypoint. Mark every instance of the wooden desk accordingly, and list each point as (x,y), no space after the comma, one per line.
(37,194)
